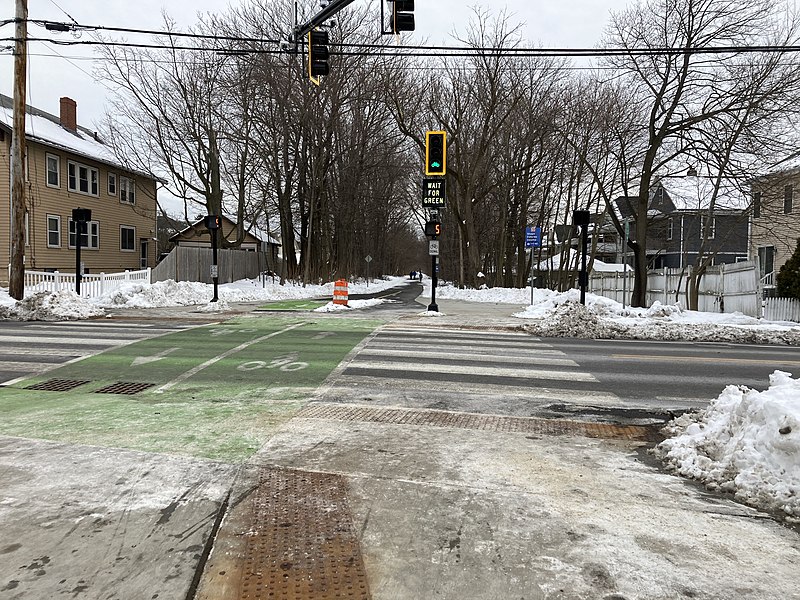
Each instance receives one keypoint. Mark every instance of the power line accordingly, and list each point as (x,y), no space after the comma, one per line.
(444,52)
(408,50)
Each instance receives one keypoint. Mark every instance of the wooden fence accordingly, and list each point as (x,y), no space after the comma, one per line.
(92,284)
(724,288)
(782,309)
(186,263)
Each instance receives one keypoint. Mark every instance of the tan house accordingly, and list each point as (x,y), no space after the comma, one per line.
(197,235)
(775,220)
(67,166)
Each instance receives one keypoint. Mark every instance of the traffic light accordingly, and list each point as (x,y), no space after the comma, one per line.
(402,16)
(317,55)
(435,153)
(433,228)
(212,221)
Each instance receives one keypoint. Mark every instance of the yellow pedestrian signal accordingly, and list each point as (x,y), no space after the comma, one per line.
(435,153)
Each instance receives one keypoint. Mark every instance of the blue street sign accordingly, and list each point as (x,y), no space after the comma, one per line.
(533,237)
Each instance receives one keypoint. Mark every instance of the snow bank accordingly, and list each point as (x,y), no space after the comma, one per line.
(187,293)
(562,315)
(66,305)
(746,442)
(49,306)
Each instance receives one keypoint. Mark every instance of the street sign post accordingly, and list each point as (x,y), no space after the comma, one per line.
(533,237)
(213,224)
(80,219)
(368,259)
(434,192)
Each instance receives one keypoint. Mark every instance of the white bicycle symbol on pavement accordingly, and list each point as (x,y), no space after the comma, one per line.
(286,363)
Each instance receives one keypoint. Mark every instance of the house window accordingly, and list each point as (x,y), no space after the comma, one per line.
(712,227)
(82,179)
(788,192)
(670,228)
(757,205)
(90,239)
(112,184)
(127,238)
(53,231)
(53,170)
(127,188)
(766,260)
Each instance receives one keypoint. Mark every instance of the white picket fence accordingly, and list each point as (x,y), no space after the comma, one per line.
(92,284)
(782,309)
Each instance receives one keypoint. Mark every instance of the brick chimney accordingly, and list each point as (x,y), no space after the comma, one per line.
(68,116)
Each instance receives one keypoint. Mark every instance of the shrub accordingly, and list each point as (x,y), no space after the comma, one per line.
(788,279)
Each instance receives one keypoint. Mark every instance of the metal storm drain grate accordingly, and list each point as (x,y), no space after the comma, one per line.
(482,422)
(124,387)
(57,385)
(302,544)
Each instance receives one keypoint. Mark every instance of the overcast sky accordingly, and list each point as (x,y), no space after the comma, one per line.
(572,24)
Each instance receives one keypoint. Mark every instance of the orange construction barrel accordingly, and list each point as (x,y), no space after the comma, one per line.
(340,292)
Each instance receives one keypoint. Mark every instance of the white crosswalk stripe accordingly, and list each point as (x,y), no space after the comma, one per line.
(28,349)
(401,364)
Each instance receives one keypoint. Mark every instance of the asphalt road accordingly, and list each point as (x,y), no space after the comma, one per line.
(673,373)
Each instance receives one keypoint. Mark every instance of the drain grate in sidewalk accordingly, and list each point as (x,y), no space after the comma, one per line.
(301,544)
(505,424)
(124,387)
(57,385)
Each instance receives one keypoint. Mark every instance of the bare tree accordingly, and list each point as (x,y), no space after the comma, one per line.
(681,91)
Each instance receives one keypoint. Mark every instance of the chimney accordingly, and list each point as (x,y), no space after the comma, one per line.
(68,116)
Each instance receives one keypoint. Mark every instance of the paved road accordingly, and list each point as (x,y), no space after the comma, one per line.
(32,348)
(517,374)
(675,374)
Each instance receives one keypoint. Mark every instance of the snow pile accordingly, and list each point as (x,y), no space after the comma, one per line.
(562,315)
(500,295)
(213,307)
(188,293)
(746,442)
(351,305)
(49,306)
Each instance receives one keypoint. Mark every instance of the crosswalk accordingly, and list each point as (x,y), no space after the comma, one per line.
(458,369)
(32,348)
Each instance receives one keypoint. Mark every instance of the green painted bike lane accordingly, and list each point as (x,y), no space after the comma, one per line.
(217,391)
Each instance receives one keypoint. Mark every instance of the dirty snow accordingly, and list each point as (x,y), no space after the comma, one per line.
(560,314)
(351,305)
(746,442)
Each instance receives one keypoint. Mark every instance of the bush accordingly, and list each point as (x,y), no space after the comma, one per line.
(788,280)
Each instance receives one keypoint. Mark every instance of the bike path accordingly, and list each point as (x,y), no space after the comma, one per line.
(216,391)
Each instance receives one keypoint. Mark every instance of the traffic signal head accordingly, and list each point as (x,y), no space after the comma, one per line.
(433,228)
(317,55)
(212,221)
(402,16)
(435,153)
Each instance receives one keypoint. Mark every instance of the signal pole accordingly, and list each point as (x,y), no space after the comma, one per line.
(16,283)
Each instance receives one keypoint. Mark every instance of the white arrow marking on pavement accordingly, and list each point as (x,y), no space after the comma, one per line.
(143,360)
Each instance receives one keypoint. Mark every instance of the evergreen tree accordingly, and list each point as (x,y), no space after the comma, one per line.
(788,280)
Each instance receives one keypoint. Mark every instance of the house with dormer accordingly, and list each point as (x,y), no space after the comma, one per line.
(68,166)
(688,219)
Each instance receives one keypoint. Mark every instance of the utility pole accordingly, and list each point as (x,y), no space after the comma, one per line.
(16,283)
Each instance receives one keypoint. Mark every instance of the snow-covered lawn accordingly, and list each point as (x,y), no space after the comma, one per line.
(746,442)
